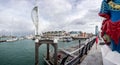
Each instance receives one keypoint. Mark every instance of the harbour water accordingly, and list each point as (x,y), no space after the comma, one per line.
(22,52)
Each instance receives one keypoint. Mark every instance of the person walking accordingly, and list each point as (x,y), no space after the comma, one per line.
(96,40)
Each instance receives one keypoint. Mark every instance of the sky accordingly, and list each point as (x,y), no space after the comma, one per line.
(68,15)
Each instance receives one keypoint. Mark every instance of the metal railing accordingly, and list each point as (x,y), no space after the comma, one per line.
(83,50)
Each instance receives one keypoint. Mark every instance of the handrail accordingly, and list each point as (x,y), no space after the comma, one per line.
(77,49)
(83,50)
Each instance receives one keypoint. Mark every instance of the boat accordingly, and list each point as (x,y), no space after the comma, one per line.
(12,39)
(65,39)
(21,38)
(79,37)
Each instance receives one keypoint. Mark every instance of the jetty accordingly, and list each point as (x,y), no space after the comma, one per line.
(73,57)
(2,40)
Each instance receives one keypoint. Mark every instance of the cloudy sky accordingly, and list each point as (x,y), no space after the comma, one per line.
(68,15)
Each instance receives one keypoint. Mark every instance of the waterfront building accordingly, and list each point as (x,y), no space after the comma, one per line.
(85,35)
(80,35)
(75,33)
(89,35)
(53,34)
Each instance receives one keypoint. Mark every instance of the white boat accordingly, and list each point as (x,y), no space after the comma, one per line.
(65,39)
(11,40)
(21,38)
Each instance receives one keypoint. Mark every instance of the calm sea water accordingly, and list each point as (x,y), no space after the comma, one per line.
(23,52)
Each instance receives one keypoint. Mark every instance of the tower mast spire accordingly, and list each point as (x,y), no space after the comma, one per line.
(35,18)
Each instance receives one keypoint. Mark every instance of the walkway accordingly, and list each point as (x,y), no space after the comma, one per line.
(94,56)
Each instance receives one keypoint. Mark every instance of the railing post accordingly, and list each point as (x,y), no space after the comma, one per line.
(89,45)
(79,50)
(86,49)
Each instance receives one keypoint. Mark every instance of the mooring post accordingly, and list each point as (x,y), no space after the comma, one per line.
(48,52)
(55,50)
(36,53)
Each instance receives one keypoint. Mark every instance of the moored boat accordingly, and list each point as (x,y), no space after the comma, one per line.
(11,40)
(65,39)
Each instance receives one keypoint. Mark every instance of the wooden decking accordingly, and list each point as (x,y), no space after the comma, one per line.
(94,56)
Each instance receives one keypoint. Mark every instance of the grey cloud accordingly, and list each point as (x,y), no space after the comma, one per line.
(78,22)
(55,12)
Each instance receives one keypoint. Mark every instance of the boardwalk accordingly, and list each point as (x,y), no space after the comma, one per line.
(94,57)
